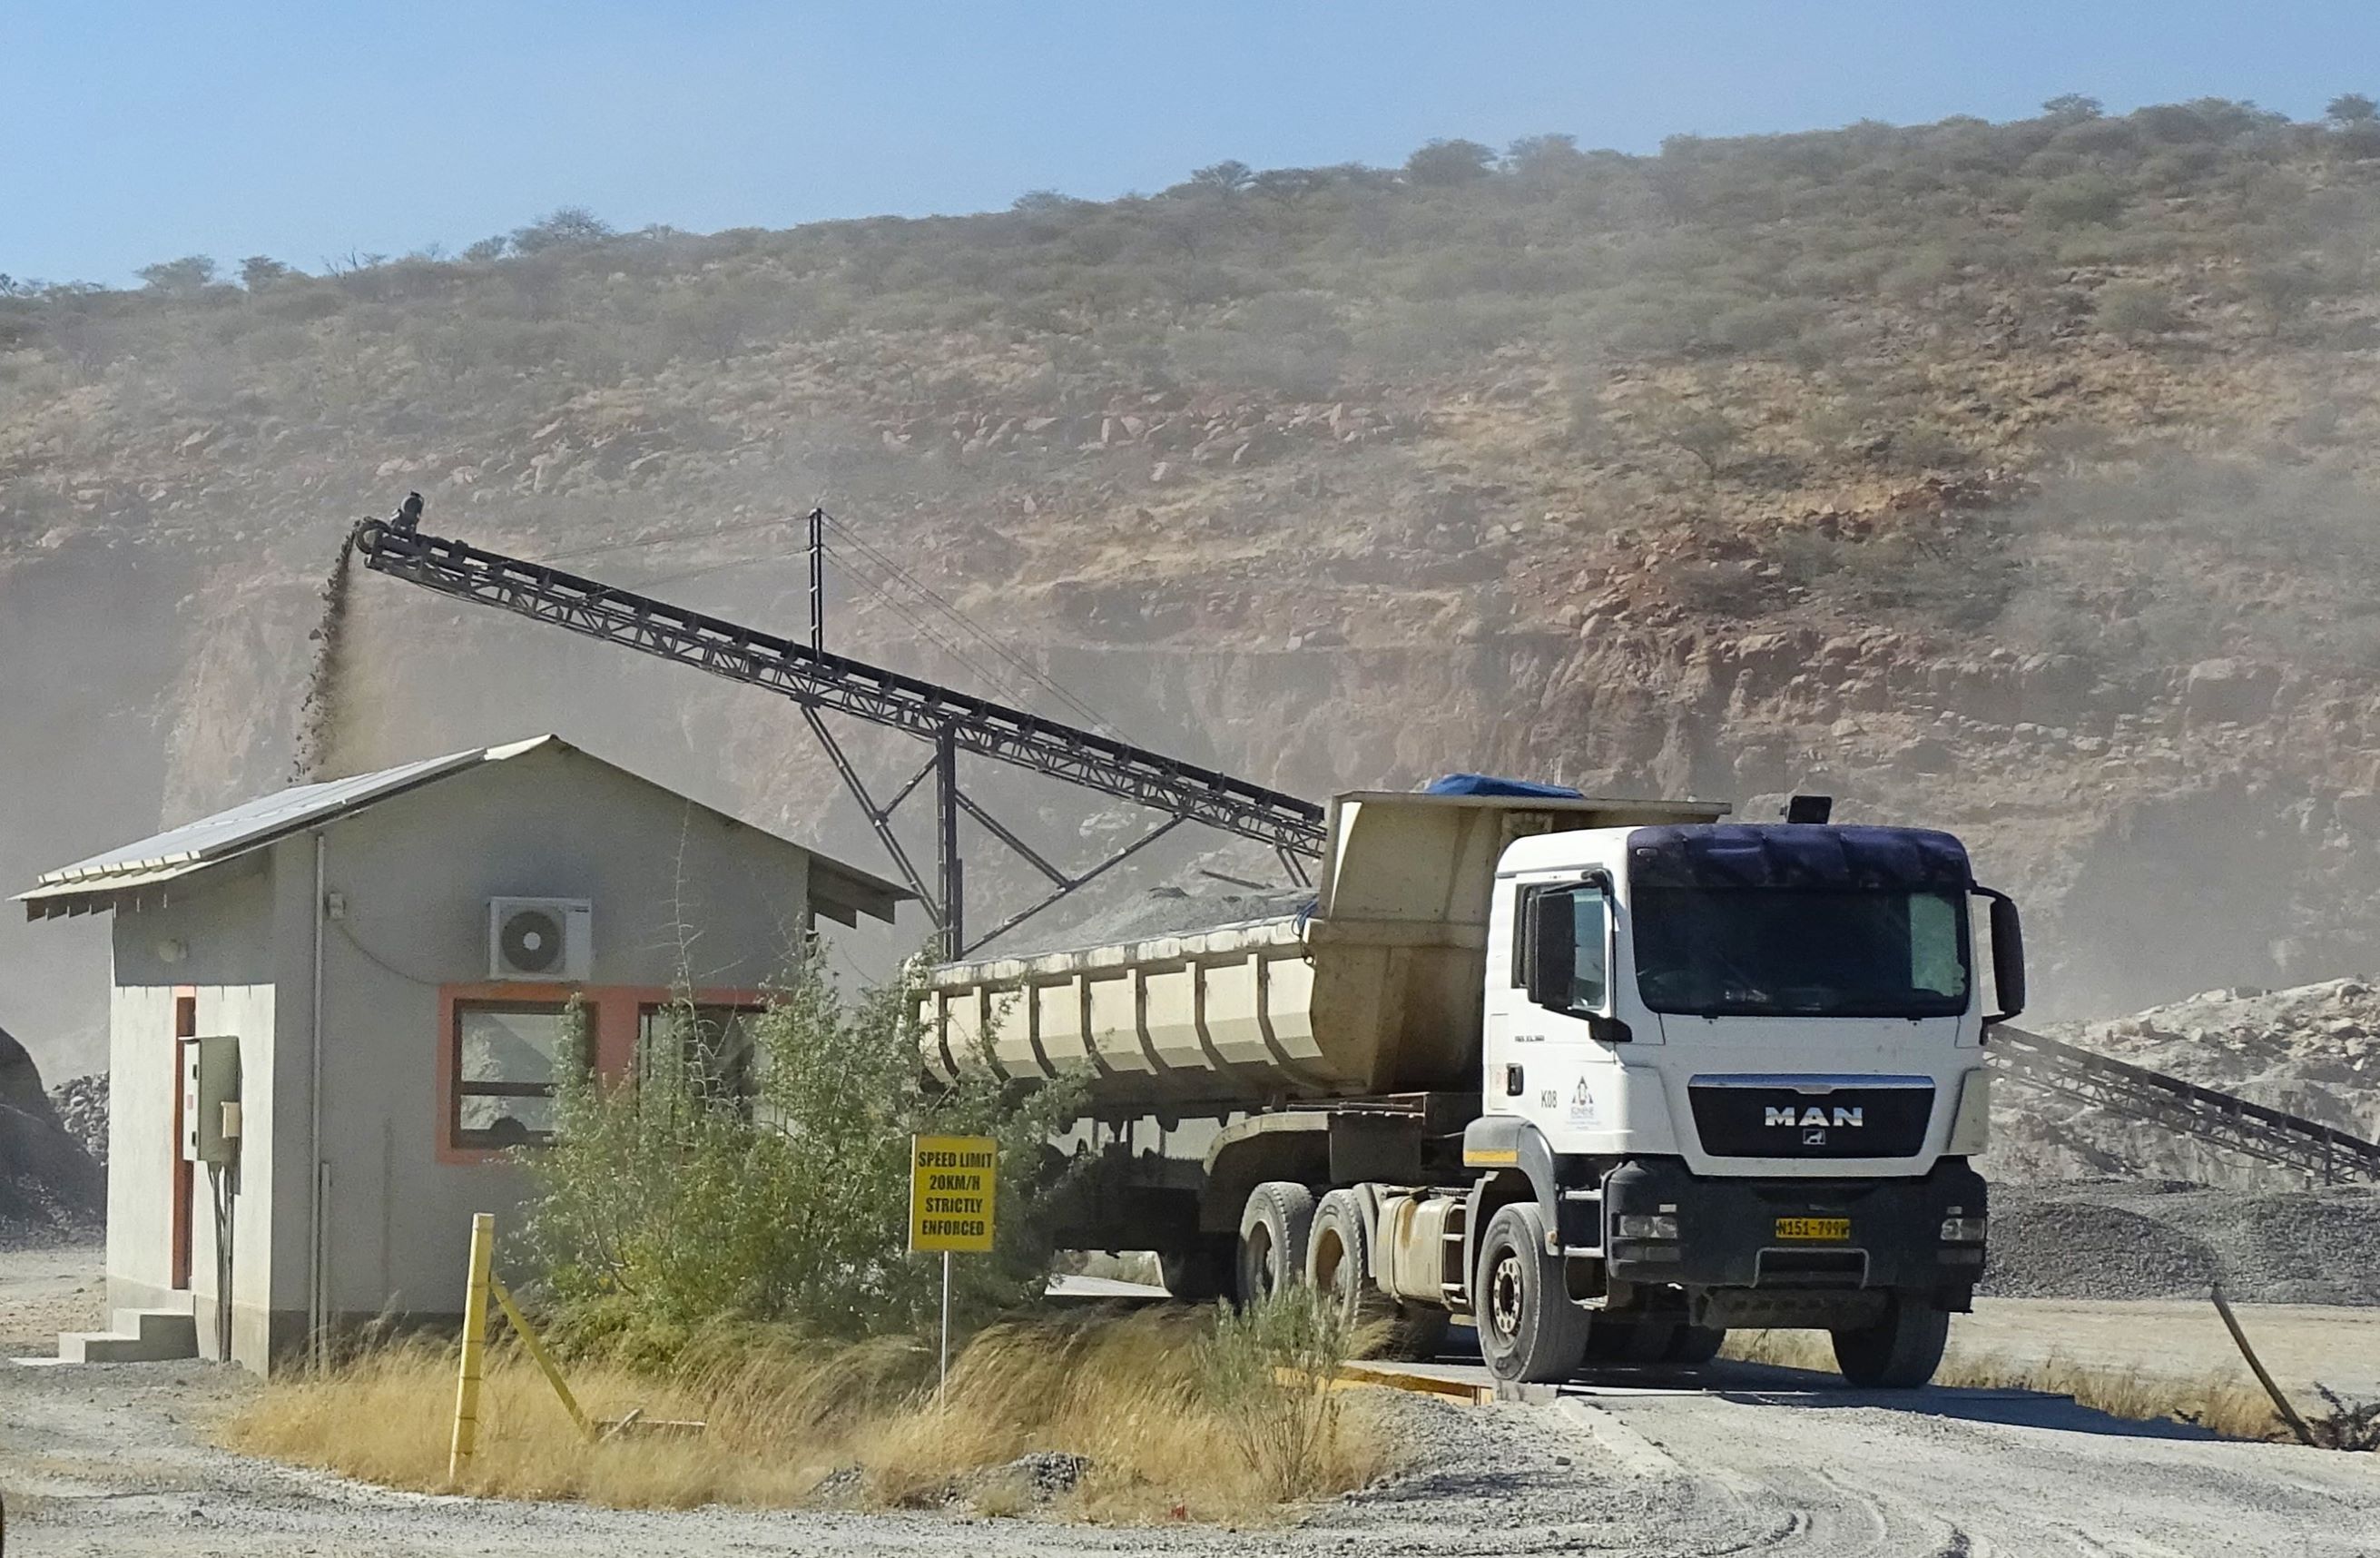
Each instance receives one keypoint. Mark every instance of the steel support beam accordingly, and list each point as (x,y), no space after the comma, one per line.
(878,816)
(1069,884)
(952,869)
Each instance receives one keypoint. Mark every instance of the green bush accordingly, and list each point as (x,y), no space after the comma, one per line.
(1269,1369)
(678,1199)
(2077,200)
(2137,311)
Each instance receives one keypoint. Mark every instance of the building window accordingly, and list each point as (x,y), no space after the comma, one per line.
(505,1053)
(717,1043)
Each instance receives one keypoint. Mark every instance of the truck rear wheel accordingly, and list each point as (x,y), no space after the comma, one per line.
(1339,1263)
(1529,1329)
(1900,1351)
(1273,1233)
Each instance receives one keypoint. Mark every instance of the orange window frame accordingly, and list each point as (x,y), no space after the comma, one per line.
(613,1014)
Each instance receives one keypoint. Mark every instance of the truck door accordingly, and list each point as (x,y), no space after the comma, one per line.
(1557,1068)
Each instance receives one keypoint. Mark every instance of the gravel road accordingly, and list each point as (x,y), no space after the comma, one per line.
(45,1290)
(115,1461)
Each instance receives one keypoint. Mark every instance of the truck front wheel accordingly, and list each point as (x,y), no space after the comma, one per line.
(1273,1233)
(1899,1350)
(1529,1329)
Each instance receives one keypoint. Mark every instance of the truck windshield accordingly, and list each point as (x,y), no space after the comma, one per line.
(1770,952)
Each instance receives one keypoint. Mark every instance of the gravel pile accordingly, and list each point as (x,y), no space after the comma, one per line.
(1049,1474)
(1168,911)
(2165,1240)
(81,1104)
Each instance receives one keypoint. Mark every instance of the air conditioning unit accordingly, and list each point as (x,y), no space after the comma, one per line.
(551,940)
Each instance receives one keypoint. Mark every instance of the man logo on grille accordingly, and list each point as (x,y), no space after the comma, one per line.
(1814,1137)
(1853,1117)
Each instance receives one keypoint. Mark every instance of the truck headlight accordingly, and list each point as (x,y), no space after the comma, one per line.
(1964,1230)
(1645,1226)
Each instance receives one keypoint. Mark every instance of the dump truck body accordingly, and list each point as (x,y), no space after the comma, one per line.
(1375,988)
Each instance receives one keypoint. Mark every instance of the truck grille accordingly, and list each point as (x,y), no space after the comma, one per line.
(1811,1117)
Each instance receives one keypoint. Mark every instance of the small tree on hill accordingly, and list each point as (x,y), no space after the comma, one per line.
(2073,105)
(1707,434)
(2138,311)
(193,272)
(1450,162)
(260,271)
(1226,177)
(2352,108)
(569,226)
(1538,155)
(2281,292)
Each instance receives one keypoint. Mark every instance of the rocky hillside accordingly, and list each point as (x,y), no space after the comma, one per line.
(50,1188)
(2012,477)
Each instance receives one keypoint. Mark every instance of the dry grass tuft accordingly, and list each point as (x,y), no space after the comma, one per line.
(1135,1394)
(2220,1401)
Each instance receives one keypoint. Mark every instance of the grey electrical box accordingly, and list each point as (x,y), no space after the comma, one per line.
(211,1099)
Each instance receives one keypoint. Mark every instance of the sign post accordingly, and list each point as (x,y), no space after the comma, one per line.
(952,1183)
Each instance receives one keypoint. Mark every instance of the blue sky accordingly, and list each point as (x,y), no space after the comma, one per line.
(138,131)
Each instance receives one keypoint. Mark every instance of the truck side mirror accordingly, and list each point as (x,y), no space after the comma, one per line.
(1551,949)
(2007,955)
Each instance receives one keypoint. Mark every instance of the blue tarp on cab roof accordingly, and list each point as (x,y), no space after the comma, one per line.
(1488,785)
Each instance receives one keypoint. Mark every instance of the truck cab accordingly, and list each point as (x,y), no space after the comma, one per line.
(1741,1067)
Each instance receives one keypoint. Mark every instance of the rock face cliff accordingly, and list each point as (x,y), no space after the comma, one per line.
(1883,464)
(50,1188)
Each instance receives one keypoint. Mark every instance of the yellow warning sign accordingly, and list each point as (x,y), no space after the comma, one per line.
(952,1182)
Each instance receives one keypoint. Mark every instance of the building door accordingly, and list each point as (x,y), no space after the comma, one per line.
(186,1025)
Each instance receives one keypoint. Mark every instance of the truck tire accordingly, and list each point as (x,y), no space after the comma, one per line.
(1338,1264)
(1529,1329)
(1200,1273)
(1693,1344)
(1273,1233)
(1900,1351)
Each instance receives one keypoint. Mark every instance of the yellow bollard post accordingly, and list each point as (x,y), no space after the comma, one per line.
(475,1345)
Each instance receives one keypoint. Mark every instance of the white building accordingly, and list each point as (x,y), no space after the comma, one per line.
(390,956)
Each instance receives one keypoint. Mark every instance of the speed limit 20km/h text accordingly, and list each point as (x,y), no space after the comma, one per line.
(952,1182)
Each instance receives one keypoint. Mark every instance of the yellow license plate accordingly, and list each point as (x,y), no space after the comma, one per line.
(1814,1228)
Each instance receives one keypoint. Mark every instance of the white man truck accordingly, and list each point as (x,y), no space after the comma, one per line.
(1608,1078)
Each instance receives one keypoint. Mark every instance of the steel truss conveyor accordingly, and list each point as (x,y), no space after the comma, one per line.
(953,721)
(2221,1119)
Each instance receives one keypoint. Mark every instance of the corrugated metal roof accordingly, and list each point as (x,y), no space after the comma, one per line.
(252,823)
(136,871)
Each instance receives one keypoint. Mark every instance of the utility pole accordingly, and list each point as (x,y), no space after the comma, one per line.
(818,580)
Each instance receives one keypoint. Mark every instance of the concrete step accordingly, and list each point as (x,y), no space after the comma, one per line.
(140,1336)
